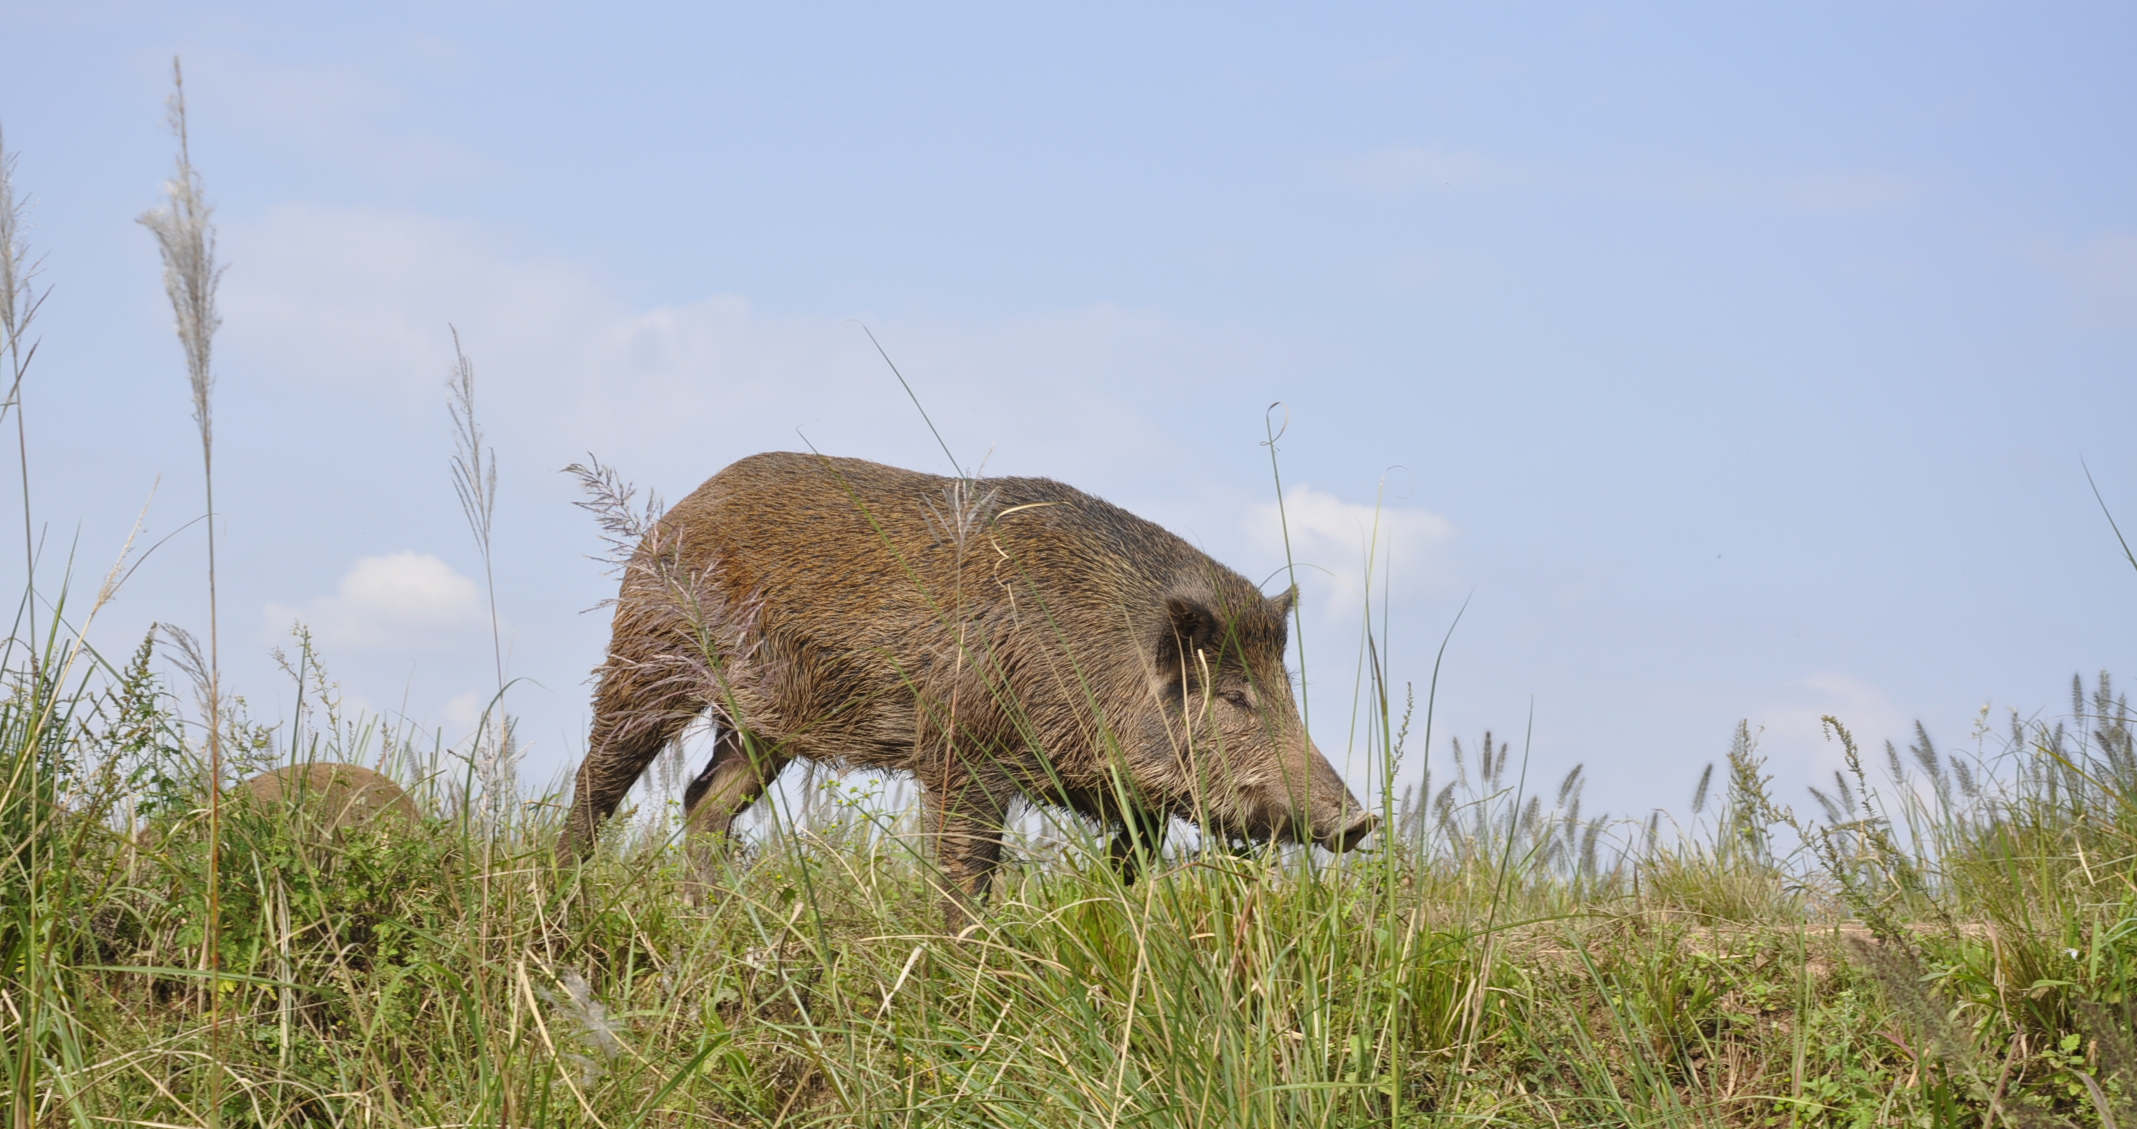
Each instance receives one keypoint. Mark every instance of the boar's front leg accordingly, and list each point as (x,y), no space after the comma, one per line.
(1141,834)
(742,767)
(967,817)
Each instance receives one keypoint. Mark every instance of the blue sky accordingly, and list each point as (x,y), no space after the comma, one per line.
(1735,364)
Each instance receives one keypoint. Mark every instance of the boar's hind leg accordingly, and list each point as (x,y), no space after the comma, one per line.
(742,767)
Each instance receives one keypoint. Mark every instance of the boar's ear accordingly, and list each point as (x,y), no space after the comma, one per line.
(1283,604)
(1189,626)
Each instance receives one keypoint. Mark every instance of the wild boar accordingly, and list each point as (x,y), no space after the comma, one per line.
(996,638)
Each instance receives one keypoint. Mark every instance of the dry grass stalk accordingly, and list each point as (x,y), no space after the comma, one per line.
(474,468)
(186,240)
(19,300)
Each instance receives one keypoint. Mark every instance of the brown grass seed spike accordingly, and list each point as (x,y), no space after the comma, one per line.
(337,796)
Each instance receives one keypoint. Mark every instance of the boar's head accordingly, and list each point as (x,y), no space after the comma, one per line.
(1241,763)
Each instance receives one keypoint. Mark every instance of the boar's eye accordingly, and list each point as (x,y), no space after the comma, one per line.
(1237,698)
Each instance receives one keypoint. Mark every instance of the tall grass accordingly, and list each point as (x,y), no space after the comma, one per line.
(185,238)
(448,974)
(474,474)
(19,302)
(1951,938)
(18,307)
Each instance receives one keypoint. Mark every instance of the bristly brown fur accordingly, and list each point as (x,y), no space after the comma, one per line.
(1035,641)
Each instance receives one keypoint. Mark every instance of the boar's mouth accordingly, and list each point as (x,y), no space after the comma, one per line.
(1350,835)
(1346,834)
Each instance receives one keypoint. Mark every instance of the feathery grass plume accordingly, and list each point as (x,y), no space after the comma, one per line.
(623,520)
(2117,739)
(186,240)
(1699,792)
(1925,754)
(19,301)
(2077,696)
(1569,788)
(186,654)
(474,470)
(1893,767)
(1591,835)
(1964,777)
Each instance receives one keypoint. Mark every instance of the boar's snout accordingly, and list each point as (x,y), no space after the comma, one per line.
(1327,814)
(1350,833)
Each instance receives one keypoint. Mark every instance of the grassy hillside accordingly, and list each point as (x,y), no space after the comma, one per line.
(1958,948)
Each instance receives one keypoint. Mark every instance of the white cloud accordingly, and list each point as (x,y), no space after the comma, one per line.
(2103,271)
(335,114)
(1401,169)
(359,300)
(1330,539)
(1052,384)
(1827,193)
(397,599)
(463,711)
(356,302)
(1839,192)
(1794,732)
